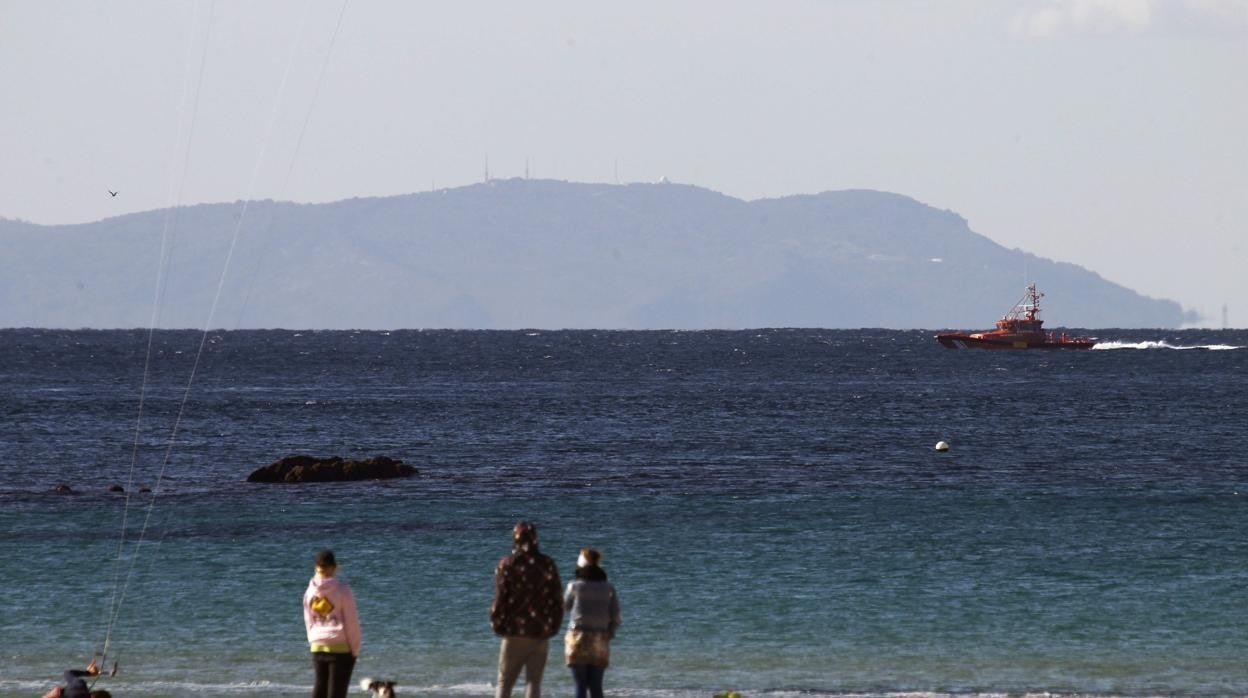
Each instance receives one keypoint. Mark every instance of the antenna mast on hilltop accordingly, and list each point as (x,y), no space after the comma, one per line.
(487,167)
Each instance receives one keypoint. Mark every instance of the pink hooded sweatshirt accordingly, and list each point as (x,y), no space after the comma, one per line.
(330,616)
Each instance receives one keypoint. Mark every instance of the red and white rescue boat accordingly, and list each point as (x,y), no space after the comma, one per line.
(1019,329)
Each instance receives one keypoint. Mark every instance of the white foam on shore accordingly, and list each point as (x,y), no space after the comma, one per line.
(161,689)
(164,688)
(1161,344)
(465,689)
(236,688)
(930,694)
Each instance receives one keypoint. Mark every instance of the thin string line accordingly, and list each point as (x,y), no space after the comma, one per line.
(156,490)
(281,192)
(175,199)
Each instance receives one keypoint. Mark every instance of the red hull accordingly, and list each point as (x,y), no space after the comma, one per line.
(955,340)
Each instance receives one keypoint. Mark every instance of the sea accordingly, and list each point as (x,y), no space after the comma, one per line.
(769,504)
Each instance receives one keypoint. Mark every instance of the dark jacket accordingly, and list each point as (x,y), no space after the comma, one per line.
(75,686)
(528,596)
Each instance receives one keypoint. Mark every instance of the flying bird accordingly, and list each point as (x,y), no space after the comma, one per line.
(112,193)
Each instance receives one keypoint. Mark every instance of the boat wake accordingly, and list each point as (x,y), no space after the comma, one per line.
(1162,344)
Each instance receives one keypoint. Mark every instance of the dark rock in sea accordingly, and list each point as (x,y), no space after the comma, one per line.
(64,489)
(332,469)
(145,489)
(116,488)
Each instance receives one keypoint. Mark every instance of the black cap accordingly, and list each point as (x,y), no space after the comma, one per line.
(325,558)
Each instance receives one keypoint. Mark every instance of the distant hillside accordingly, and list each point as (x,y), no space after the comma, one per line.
(548,254)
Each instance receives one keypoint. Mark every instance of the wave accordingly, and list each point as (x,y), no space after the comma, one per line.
(159,689)
(1162,344)
(163,689)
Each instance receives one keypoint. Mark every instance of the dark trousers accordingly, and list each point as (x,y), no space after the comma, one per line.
(333,674)
(588,679)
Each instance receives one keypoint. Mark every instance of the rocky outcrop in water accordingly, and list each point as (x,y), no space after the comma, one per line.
(332,469)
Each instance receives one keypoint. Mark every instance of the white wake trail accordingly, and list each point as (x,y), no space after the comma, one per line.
(1162,344)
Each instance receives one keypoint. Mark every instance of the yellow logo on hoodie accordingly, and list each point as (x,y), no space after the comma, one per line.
(321,605)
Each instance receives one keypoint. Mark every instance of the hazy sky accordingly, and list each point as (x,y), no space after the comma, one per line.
(1108,133)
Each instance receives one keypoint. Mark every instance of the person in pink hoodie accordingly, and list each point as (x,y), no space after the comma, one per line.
(333,626)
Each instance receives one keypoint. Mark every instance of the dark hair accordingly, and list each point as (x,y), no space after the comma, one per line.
(325,558)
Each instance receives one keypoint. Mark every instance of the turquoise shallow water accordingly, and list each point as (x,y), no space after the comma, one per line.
(954,593)
(776,523)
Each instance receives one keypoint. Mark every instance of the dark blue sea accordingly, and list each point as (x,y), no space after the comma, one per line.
(768,502)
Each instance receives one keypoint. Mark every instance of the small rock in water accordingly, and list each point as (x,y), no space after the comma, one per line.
(332,469)
(116,488)
(942,446)
(63,489)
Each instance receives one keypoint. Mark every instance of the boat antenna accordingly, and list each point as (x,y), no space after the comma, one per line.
(1033,296)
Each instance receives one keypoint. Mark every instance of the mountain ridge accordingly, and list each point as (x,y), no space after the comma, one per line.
(520,253)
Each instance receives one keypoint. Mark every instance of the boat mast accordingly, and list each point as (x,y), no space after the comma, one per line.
(1034,306)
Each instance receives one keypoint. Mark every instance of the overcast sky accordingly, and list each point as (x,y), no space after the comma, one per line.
(1108,133)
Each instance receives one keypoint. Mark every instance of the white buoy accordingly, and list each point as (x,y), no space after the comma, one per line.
(942,446)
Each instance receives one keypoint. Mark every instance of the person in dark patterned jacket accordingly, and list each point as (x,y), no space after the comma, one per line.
(527,611)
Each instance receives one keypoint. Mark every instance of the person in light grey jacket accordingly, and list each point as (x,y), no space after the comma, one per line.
(593,615)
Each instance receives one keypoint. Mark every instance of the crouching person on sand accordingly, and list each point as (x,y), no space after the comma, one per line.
(333,626)
(527,611)
(593,615)
(76,685)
